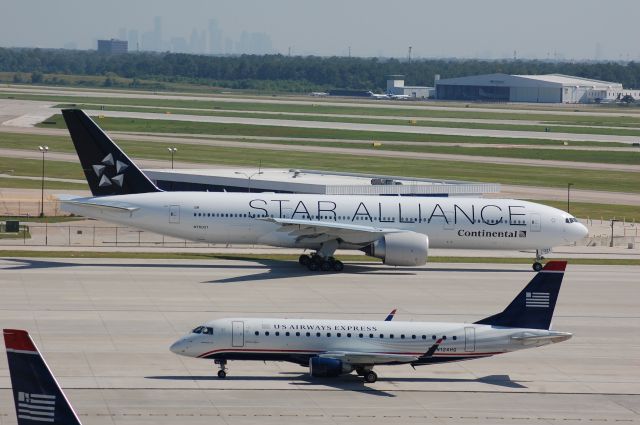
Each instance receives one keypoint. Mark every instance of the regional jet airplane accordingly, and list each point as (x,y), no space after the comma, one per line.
(334,347)
(36,393)
(398,230)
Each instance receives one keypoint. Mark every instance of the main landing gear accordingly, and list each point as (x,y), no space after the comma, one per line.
(368,374)
(316,262)
(222,373)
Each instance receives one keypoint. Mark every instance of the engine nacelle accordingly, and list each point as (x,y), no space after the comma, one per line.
(322,367)
(400,249)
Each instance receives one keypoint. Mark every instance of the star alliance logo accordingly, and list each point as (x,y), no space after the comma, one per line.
(108,164)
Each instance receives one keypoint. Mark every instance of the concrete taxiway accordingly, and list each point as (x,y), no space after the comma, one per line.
(105,326)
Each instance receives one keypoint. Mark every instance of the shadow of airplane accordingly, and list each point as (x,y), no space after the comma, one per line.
(268,269)
(349,382)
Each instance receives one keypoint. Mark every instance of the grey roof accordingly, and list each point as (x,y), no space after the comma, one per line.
(547,80)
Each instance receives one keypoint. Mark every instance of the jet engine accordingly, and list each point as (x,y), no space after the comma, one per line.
(400,249)
(323,367)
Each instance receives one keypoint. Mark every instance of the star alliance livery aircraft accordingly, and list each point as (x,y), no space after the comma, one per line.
(398,230)
(334,347)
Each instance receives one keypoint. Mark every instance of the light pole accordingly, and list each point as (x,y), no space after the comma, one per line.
(611,243)
(173,150)
(249,177)
(44,150)
(568,194)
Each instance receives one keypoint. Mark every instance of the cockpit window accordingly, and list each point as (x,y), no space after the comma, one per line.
(207,330)
(198,330)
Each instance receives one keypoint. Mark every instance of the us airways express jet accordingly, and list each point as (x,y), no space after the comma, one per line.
(335,347)
(399,230)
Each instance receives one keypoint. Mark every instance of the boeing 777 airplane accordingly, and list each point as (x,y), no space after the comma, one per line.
(36,393)
(334,347)
(398,230)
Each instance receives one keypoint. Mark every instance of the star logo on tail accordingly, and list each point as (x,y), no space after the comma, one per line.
(110,172)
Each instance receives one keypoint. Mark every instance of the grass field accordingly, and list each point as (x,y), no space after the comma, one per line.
(317,107)
(383,121)
(185,127)
(507,174)
(35,184)
(630,213)
(63,144)
(288,257)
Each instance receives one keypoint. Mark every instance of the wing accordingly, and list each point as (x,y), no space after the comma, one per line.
(355,358)
(322,231)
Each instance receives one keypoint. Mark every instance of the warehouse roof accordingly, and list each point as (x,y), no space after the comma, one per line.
(551,80)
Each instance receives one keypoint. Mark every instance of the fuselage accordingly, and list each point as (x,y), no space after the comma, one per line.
(239,218)
(297,340)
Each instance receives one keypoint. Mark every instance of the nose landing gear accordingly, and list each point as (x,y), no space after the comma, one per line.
(222,373)
(537,265)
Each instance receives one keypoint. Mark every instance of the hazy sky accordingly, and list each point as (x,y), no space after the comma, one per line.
(571,29)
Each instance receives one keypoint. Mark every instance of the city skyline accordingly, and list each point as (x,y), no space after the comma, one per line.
(492,29)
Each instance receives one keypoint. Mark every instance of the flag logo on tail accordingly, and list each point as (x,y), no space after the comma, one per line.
(36,407)
(537,299)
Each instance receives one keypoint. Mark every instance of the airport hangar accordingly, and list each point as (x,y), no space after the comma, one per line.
(279,180)
(549,88)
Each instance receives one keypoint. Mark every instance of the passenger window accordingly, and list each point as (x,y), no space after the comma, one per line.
(308,334)
(297,333)
(444,337)
(287,334)
(413,337)
(266,333)
(433,337)
(348,335)
(338,334)
(370,335)
(318,334)
(455,337)
(257,333)
(360,335)
(391,336)
(328,333)
(277,333)
(381,336)
(424,337)
(401,336)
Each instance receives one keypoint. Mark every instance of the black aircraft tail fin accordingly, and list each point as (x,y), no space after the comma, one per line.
(36,393)
(108,170)
(533,307)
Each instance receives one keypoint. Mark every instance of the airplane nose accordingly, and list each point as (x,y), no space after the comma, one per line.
(178,347)
(583,232)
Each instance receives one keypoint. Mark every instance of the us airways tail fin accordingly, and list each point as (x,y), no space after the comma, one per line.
(533,307)
(36,393)
(108,170)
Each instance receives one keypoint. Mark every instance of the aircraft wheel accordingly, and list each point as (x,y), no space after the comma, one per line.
(360,372)
(537,266)
(304,259)
(338,266)
(313,266)
(222,374)
(370,377)
(325,266)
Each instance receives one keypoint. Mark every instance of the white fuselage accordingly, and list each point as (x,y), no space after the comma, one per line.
(239,218)
(296,340)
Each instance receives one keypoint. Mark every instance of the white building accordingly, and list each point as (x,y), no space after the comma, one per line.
(396,87)
(281,180)
(549,88)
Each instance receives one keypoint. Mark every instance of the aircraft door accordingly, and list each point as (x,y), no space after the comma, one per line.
(174,214)
(536,225)
(469,339)
(237,333)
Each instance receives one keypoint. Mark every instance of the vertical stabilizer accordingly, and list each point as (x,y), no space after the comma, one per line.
(108,170)
(533,307)
(37,395)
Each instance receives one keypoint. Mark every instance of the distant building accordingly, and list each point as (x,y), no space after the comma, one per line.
(113,46)
(396,87)
(549,88)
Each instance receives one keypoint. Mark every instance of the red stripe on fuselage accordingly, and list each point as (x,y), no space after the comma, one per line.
(264,350)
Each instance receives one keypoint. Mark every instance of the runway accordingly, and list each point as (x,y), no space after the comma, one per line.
(105,326)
